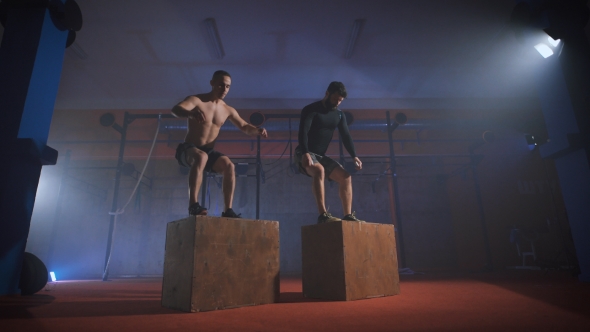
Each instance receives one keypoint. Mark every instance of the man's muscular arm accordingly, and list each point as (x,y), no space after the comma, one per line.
(244,126)
(189,108)
(347,142)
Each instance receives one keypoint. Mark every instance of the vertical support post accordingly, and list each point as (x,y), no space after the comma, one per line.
(484,228)
(393,169)
(31,59)
(258,169)
(57,216)
(563,87)
(126,120)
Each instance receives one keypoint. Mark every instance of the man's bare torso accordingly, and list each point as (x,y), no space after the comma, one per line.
(205,133)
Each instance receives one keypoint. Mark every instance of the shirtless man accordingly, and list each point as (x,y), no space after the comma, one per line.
(317,125)
(206,113)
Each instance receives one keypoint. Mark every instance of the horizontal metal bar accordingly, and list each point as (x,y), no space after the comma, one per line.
(149,116)
(282,116)
(161,141)
(94,167)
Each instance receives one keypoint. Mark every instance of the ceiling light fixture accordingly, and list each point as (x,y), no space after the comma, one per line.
(552,41)
(357,26)
(214,38)
(544,50)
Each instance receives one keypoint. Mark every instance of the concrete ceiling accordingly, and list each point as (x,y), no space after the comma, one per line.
(410,54)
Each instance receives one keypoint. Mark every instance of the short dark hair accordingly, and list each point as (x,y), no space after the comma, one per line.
(220,73)
(337,87)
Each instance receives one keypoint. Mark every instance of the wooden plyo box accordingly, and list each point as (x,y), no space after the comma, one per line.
(220,263)
(347,260)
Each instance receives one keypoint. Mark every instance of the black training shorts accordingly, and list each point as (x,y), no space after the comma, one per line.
(328,163)
(212,154)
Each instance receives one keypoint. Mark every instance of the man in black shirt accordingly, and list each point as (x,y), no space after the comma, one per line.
(318,122)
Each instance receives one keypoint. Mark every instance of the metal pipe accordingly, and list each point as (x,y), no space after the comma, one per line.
(392,167)
(266,140)
(151,116)
(361,124)
(93,167)
(258,166)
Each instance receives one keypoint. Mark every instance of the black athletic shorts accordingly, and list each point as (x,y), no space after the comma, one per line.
(328,163)
(212,154)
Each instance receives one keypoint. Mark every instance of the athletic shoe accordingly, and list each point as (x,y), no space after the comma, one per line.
(351,217)
(197,210)
(229,213)
(326,217)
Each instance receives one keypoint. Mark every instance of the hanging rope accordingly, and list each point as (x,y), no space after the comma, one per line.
(122,210)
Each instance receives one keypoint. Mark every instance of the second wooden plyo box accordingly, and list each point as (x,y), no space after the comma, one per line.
(219,263)
(347,260)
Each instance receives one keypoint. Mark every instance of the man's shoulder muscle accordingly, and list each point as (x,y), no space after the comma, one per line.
(230,110)
(193,99)
(313,107)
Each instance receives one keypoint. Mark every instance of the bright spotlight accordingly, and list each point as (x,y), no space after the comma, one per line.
(553,42)
(52,274)
(544,50)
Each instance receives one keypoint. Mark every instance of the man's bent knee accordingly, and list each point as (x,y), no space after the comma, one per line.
(315,170)
(230,168)
(223,165)
(197,158)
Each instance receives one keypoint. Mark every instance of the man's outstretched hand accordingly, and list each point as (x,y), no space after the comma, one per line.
(306,160)
(262,132)
(358,164)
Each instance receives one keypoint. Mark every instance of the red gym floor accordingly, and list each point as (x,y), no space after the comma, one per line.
(501,301)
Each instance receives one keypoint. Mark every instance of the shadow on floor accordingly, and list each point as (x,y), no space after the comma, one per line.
(297,297)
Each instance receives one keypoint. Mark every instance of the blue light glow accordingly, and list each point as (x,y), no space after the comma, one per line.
(52,274)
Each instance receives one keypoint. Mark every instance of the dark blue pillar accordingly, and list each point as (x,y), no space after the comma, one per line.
(563,85)
(31,58)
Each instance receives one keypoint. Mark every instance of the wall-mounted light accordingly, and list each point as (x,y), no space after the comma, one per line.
(552,41)
(548,50)
(544,50)
(527,18)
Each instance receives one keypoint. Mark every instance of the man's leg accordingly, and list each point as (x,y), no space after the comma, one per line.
(225,167)
(197,159)
(343,178)
(316,171)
